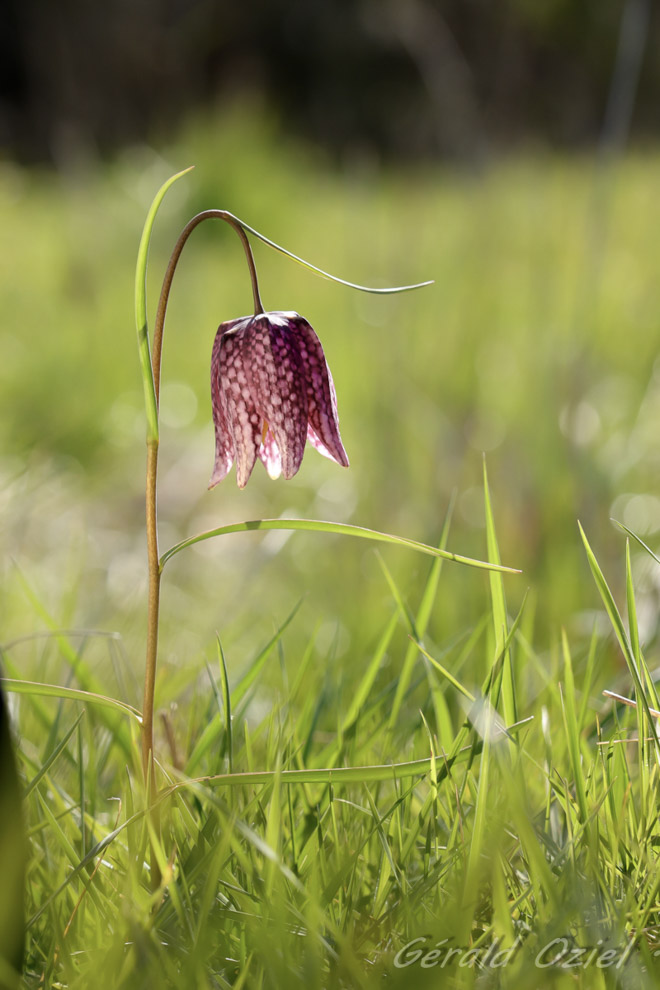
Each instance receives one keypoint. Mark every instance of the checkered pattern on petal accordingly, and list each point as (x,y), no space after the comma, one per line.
(323,430)
(224,440)
(244,421)
(277,385)
(271,391)
(269,453)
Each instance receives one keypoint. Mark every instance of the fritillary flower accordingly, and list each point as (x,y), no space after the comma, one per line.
(271,392)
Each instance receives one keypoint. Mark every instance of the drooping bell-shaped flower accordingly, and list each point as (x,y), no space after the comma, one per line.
(271,391)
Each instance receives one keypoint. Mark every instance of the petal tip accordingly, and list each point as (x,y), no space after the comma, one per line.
(221,469)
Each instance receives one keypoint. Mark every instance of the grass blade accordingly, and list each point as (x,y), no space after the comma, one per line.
(421,621)
(226,698)
(637,539)
(573,730)
(500,619)
(334,775)
(72,694)
(253,671)
(361,694)
(341,529)
(619,631)
(45,767)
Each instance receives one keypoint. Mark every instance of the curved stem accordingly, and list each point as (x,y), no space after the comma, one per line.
(152,473)
(169,275)
(388,290)
(153,607)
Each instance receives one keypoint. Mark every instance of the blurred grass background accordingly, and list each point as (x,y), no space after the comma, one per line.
(537,345)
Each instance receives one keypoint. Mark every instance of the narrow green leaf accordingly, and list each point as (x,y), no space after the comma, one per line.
(642,741)
(422,620)
(327,775)
(249,677)
(500,619)
(446,673)
(226,697)
(274,829)
(82,790)
(58,832)
(474,864)
(634,631)
(637,539)
(141,322)
(73,694)
(397,596)
(619,631)
(45,767)
(611,608)
(213,728)
(588,677)
(572,729)
(319,271)
(341,529)
(212,731)
(303,666)
(361,693)
(632,608)
(331,775)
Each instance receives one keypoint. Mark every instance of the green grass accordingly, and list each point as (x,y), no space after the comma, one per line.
(301,843)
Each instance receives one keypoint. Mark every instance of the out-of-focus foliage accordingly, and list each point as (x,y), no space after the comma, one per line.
(361,77)
(537,344)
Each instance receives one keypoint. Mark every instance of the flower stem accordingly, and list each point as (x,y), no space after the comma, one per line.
(152,610)
(169,275)
(152,475)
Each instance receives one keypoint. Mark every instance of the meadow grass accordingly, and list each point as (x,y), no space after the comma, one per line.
(304,676)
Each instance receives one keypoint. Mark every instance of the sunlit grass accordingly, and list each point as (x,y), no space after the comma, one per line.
(294,854)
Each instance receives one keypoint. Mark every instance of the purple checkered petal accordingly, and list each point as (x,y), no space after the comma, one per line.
(245,423)
(323,432)
(269,453)
(318,444)
(224,441)
(277,385)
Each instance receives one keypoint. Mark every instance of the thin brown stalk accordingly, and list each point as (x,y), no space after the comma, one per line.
(154,565)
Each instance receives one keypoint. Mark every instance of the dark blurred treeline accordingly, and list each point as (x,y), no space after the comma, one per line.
(401,78)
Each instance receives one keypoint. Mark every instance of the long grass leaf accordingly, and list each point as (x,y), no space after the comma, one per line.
(619,630)
(500,618)
(572,729)
(72,694)
(421,620)
(333,775)
(446,673)
(246,681)
(637,539)
(340,529)
(226,698)
(361,693)
(45,767)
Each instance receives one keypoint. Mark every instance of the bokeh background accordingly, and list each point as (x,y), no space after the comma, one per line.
(507,149)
